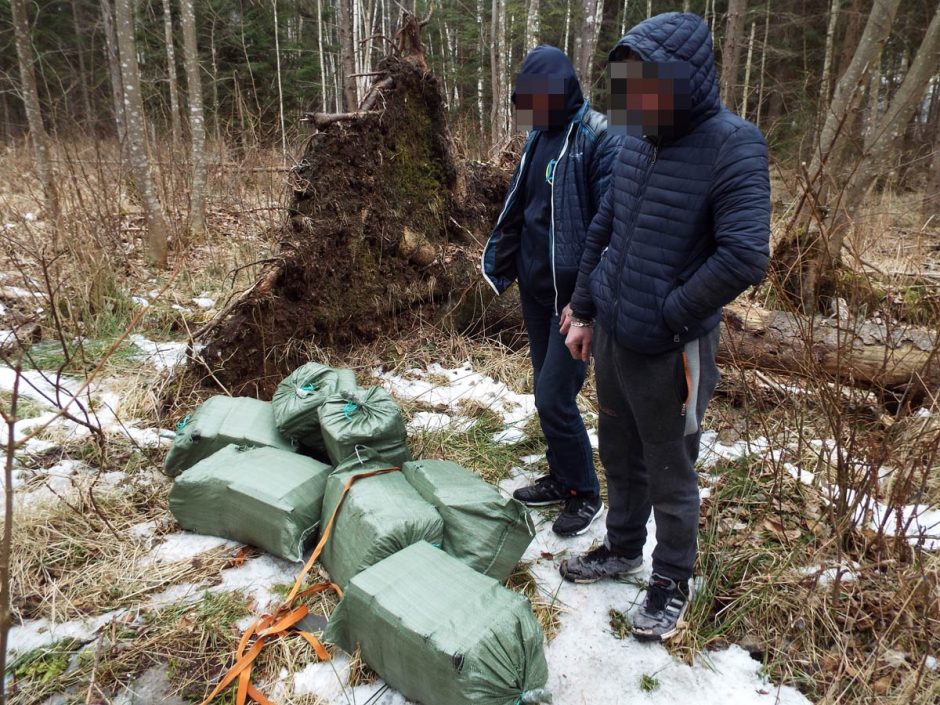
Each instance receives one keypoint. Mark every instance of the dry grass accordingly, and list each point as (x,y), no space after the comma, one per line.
(80,555)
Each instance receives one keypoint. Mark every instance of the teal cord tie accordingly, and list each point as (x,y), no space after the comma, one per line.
(350,409)
(182,424)
(306,389)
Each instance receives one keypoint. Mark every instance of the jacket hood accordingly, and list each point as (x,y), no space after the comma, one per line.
(551,62)
(680,36)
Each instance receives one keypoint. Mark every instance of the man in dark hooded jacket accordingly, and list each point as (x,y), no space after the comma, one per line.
(683,230)
(538,239)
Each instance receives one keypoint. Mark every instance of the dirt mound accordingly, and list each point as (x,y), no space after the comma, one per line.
(384,225)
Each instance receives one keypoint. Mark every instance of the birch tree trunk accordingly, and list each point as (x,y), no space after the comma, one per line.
(731,51)
(567,42)
(745,95)
(496,55)
(322,59)
(175,127)
(280,89)
(158,230)
(532,25)
(826,80)
(931,205)
(586,47)
(37,131)
(197,119)
(347,55)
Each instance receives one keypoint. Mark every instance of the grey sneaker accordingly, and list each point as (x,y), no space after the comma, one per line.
(660,616)
(599,563)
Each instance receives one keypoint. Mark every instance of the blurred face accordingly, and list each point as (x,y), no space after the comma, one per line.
(540,102)
(645,97)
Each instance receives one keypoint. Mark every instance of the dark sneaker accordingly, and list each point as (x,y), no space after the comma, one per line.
(599,563)
(545,490)
(579,513)
(660,616)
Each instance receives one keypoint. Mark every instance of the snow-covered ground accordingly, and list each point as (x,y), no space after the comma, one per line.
(587,662)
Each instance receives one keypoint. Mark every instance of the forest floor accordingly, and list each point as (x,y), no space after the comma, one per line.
(819,573)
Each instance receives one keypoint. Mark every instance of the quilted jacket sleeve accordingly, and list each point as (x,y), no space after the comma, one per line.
(582,305)
(740,197)
(602,165)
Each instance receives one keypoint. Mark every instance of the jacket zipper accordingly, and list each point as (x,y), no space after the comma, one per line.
(499,221)
(551,230)
(650,163)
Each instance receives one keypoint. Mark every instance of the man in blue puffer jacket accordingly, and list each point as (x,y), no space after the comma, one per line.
(683,230)
(538,239)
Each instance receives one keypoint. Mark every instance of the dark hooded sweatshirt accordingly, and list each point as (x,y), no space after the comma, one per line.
(533,261)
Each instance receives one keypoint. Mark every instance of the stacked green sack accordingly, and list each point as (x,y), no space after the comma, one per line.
(441,633)
(297,399)
(482,528)
(365,417)
(379,516)
(264,497)
(219,422)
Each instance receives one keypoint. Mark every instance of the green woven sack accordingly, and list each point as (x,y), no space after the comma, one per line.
(441,633)
(265,497)
(298,397)
(482,528)
(367,417)
(217,423)
(380,515)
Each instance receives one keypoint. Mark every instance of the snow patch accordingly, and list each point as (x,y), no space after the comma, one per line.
(442,387)
(204,302)
(184,546)
(163,356)
(432,421)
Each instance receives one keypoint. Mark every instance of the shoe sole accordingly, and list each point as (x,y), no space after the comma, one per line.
(569,534)
(589,581)
(541,504)
(647,637)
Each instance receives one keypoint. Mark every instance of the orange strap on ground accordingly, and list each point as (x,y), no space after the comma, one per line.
(285,617)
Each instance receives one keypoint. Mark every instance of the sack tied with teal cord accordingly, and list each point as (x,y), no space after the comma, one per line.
(379,516)
(366,417)
(221,421)
(264,497)
(298,398)
(441,633)
(482,528)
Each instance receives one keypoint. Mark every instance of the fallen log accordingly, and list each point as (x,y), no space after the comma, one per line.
(897,359)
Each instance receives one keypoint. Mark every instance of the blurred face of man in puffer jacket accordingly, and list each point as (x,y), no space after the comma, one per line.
(647,98)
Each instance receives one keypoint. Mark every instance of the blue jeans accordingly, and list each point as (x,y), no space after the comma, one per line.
(558,379)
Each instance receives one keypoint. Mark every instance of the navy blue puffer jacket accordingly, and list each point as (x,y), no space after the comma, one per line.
(685,225)
(581,177)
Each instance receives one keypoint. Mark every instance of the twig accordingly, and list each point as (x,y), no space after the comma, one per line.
(324,119)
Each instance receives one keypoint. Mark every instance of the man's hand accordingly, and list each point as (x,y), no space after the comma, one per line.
(578,342)
(565,323)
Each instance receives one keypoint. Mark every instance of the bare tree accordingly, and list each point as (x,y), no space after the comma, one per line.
(158,230)
(532,25)
(114,69)
(83,79)
(175,127)
(586,41)
(826,81)
(731,50)
(197,120)
(37,131)
(848,88)
(883,141)
(347,55)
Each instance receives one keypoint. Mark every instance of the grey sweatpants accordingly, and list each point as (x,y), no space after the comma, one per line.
(651,409)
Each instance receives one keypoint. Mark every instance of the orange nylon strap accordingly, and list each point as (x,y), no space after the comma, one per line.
(283,618)
(318,647)
(329,528)
(688,379)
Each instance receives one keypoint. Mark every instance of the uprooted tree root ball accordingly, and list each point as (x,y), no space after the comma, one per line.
(384,226)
